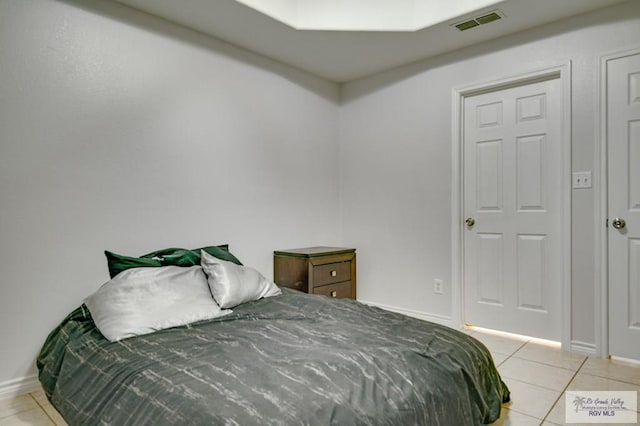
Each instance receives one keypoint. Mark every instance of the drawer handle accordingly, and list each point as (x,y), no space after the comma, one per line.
(334,294)
(334,273)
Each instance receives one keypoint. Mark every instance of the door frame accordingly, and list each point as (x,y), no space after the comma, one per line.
(601,210)
(563,72)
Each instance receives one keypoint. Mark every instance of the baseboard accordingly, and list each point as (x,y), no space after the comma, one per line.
(584,348)
(15,387)
(634,362)
(438,319)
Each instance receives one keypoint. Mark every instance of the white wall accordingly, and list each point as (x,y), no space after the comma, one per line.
(120,131)
(395,141)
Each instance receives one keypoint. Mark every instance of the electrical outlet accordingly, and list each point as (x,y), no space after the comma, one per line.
(581,180)
(437,286)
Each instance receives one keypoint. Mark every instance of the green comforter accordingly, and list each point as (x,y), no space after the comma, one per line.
(293,359)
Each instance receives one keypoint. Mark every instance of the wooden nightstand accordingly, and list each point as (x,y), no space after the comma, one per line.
(330,271)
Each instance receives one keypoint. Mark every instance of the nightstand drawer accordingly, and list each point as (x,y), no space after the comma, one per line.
(339,290)
(331,273)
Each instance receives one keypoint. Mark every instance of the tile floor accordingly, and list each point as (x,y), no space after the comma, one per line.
(537,373)
(29,409)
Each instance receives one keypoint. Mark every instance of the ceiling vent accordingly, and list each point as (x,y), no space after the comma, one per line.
(479,20)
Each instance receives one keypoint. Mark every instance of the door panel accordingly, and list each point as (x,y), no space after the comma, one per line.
(634,161)
(489,272)
(530,254)
(530,172)
(512,171)
(634,288)
(623,144)
(489,179)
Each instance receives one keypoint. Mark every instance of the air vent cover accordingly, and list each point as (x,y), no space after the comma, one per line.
(479,20)
(485,19)
(466,25)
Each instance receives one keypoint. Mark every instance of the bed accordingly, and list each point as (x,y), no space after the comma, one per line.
(289,359)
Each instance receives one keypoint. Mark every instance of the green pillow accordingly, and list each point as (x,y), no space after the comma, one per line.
(118,263)
(175,257)
(221,252)
(166,257)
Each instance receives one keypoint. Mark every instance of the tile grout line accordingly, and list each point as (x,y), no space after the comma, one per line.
(19,411)
(41,408)
(509,355)
(564,390)
(514,354)
(612,378)
(546,364)
(525,343)
(519,348)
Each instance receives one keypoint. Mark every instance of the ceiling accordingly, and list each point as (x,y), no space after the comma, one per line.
(341,49)
(365,15)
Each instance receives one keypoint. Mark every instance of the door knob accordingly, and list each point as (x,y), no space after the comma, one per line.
(470,222)
(618,223)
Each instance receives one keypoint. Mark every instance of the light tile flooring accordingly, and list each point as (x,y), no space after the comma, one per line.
(29,409)
(537,373)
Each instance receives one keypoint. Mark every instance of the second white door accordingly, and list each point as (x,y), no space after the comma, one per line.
(513,205)
(623,136)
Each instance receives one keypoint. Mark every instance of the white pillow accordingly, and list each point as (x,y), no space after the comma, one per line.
(143,300)
(233,284)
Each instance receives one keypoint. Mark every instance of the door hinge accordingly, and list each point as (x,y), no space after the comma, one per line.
(606,223)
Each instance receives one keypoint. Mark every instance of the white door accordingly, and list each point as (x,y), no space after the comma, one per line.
(623,142)
(512,174)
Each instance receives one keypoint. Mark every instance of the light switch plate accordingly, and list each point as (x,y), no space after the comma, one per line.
(581,180)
